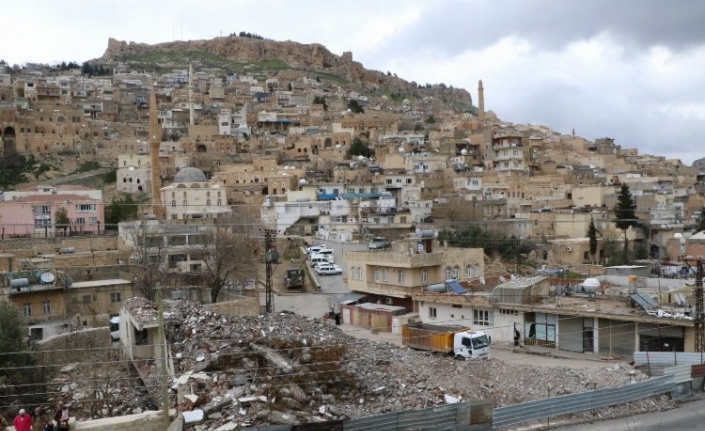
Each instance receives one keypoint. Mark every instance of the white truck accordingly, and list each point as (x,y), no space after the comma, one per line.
(459,341)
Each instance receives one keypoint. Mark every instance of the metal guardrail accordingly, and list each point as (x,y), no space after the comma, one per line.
(567,404)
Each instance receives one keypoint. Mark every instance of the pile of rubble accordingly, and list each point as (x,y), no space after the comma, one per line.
(234,372)
(287,369)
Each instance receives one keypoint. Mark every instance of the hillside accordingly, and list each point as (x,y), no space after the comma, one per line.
(234,54)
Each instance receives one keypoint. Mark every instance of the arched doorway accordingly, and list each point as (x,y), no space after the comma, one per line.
(9,141)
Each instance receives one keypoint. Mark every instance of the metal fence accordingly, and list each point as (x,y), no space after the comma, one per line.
(567,404)
(667,358)
(452,417)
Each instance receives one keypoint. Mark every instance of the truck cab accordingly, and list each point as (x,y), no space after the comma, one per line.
(471,345)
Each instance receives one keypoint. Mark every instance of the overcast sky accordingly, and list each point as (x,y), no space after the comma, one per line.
(632,70)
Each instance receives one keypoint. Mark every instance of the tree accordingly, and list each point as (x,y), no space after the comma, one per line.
(359,148)
(19,377)
(592,236)
(354,106)
(87,69)
(625,214)
(700,226)
(430,120)
(229,255)
(61,219)
(149,250)
(318,100)
(119,210)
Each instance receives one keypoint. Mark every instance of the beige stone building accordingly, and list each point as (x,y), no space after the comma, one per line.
(393,276)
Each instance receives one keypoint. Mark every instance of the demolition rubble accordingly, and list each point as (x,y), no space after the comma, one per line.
(234,372)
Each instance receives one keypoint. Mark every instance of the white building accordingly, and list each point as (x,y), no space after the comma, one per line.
(191,196)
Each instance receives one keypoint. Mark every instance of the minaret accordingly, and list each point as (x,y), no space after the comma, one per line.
(155,139)
(480,100)
(191,114)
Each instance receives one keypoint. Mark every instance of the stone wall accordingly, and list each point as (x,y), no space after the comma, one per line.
(242,307)
(19,246)
(147,421)
(67,343)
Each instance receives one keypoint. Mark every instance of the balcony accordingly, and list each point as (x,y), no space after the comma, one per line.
(394,259)
(385,289)
(368,195)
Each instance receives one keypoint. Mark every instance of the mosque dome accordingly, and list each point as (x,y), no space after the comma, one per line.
(190,175)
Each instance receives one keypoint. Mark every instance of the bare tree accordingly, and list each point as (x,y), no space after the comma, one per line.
(229,254)
(148,253)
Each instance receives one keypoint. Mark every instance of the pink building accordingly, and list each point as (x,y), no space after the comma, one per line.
(36,215)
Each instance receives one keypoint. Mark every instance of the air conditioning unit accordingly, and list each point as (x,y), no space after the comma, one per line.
(568,249)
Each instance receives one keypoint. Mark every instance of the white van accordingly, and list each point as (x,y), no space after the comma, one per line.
(320,259)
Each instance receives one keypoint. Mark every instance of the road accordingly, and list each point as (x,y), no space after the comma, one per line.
(689,416)
(316,304)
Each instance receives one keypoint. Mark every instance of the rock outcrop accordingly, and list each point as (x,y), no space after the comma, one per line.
(314,57)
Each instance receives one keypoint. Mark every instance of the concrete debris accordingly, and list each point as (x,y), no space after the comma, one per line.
(287,369)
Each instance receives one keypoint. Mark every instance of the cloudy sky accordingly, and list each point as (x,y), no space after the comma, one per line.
(631,70)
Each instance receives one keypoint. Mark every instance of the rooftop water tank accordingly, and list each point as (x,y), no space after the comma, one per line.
(19,283)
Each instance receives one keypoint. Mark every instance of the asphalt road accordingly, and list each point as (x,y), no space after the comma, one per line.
(317,304)
(689,416)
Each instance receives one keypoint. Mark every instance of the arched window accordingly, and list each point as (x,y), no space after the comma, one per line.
(448,272)
(468,271)
(456,272)
(401,276)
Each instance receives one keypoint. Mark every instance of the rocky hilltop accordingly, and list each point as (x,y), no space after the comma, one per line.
(308,57)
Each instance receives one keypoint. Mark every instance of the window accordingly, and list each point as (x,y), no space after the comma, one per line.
(468,271)
(456,272)
(27,308)
(208,202)
(508,312)
(424,276)
(359,273)
(448,272)
(46,307)
(82,208)
(378,274)
(218,202)
(481,317)
(86,299)
(401,276)
(80,221)
(389,301)
(456,306)
(185,203)
(115,297)
(384,274)
(432,312)
(173,203)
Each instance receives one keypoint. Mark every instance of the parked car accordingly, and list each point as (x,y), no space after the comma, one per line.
(315,248)
(318,249)
(378,243)
(328,270)
(330,258)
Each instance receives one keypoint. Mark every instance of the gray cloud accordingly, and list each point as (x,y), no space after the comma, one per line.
(451,26)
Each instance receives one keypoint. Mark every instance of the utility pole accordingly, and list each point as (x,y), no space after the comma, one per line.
(163,368)
(271,258)
(699,317)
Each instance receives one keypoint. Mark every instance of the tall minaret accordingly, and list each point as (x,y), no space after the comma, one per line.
(191,114)
(480,100)
(155,139)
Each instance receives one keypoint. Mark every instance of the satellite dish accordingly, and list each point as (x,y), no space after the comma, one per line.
(47,277)
(464,152)
(402,150)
